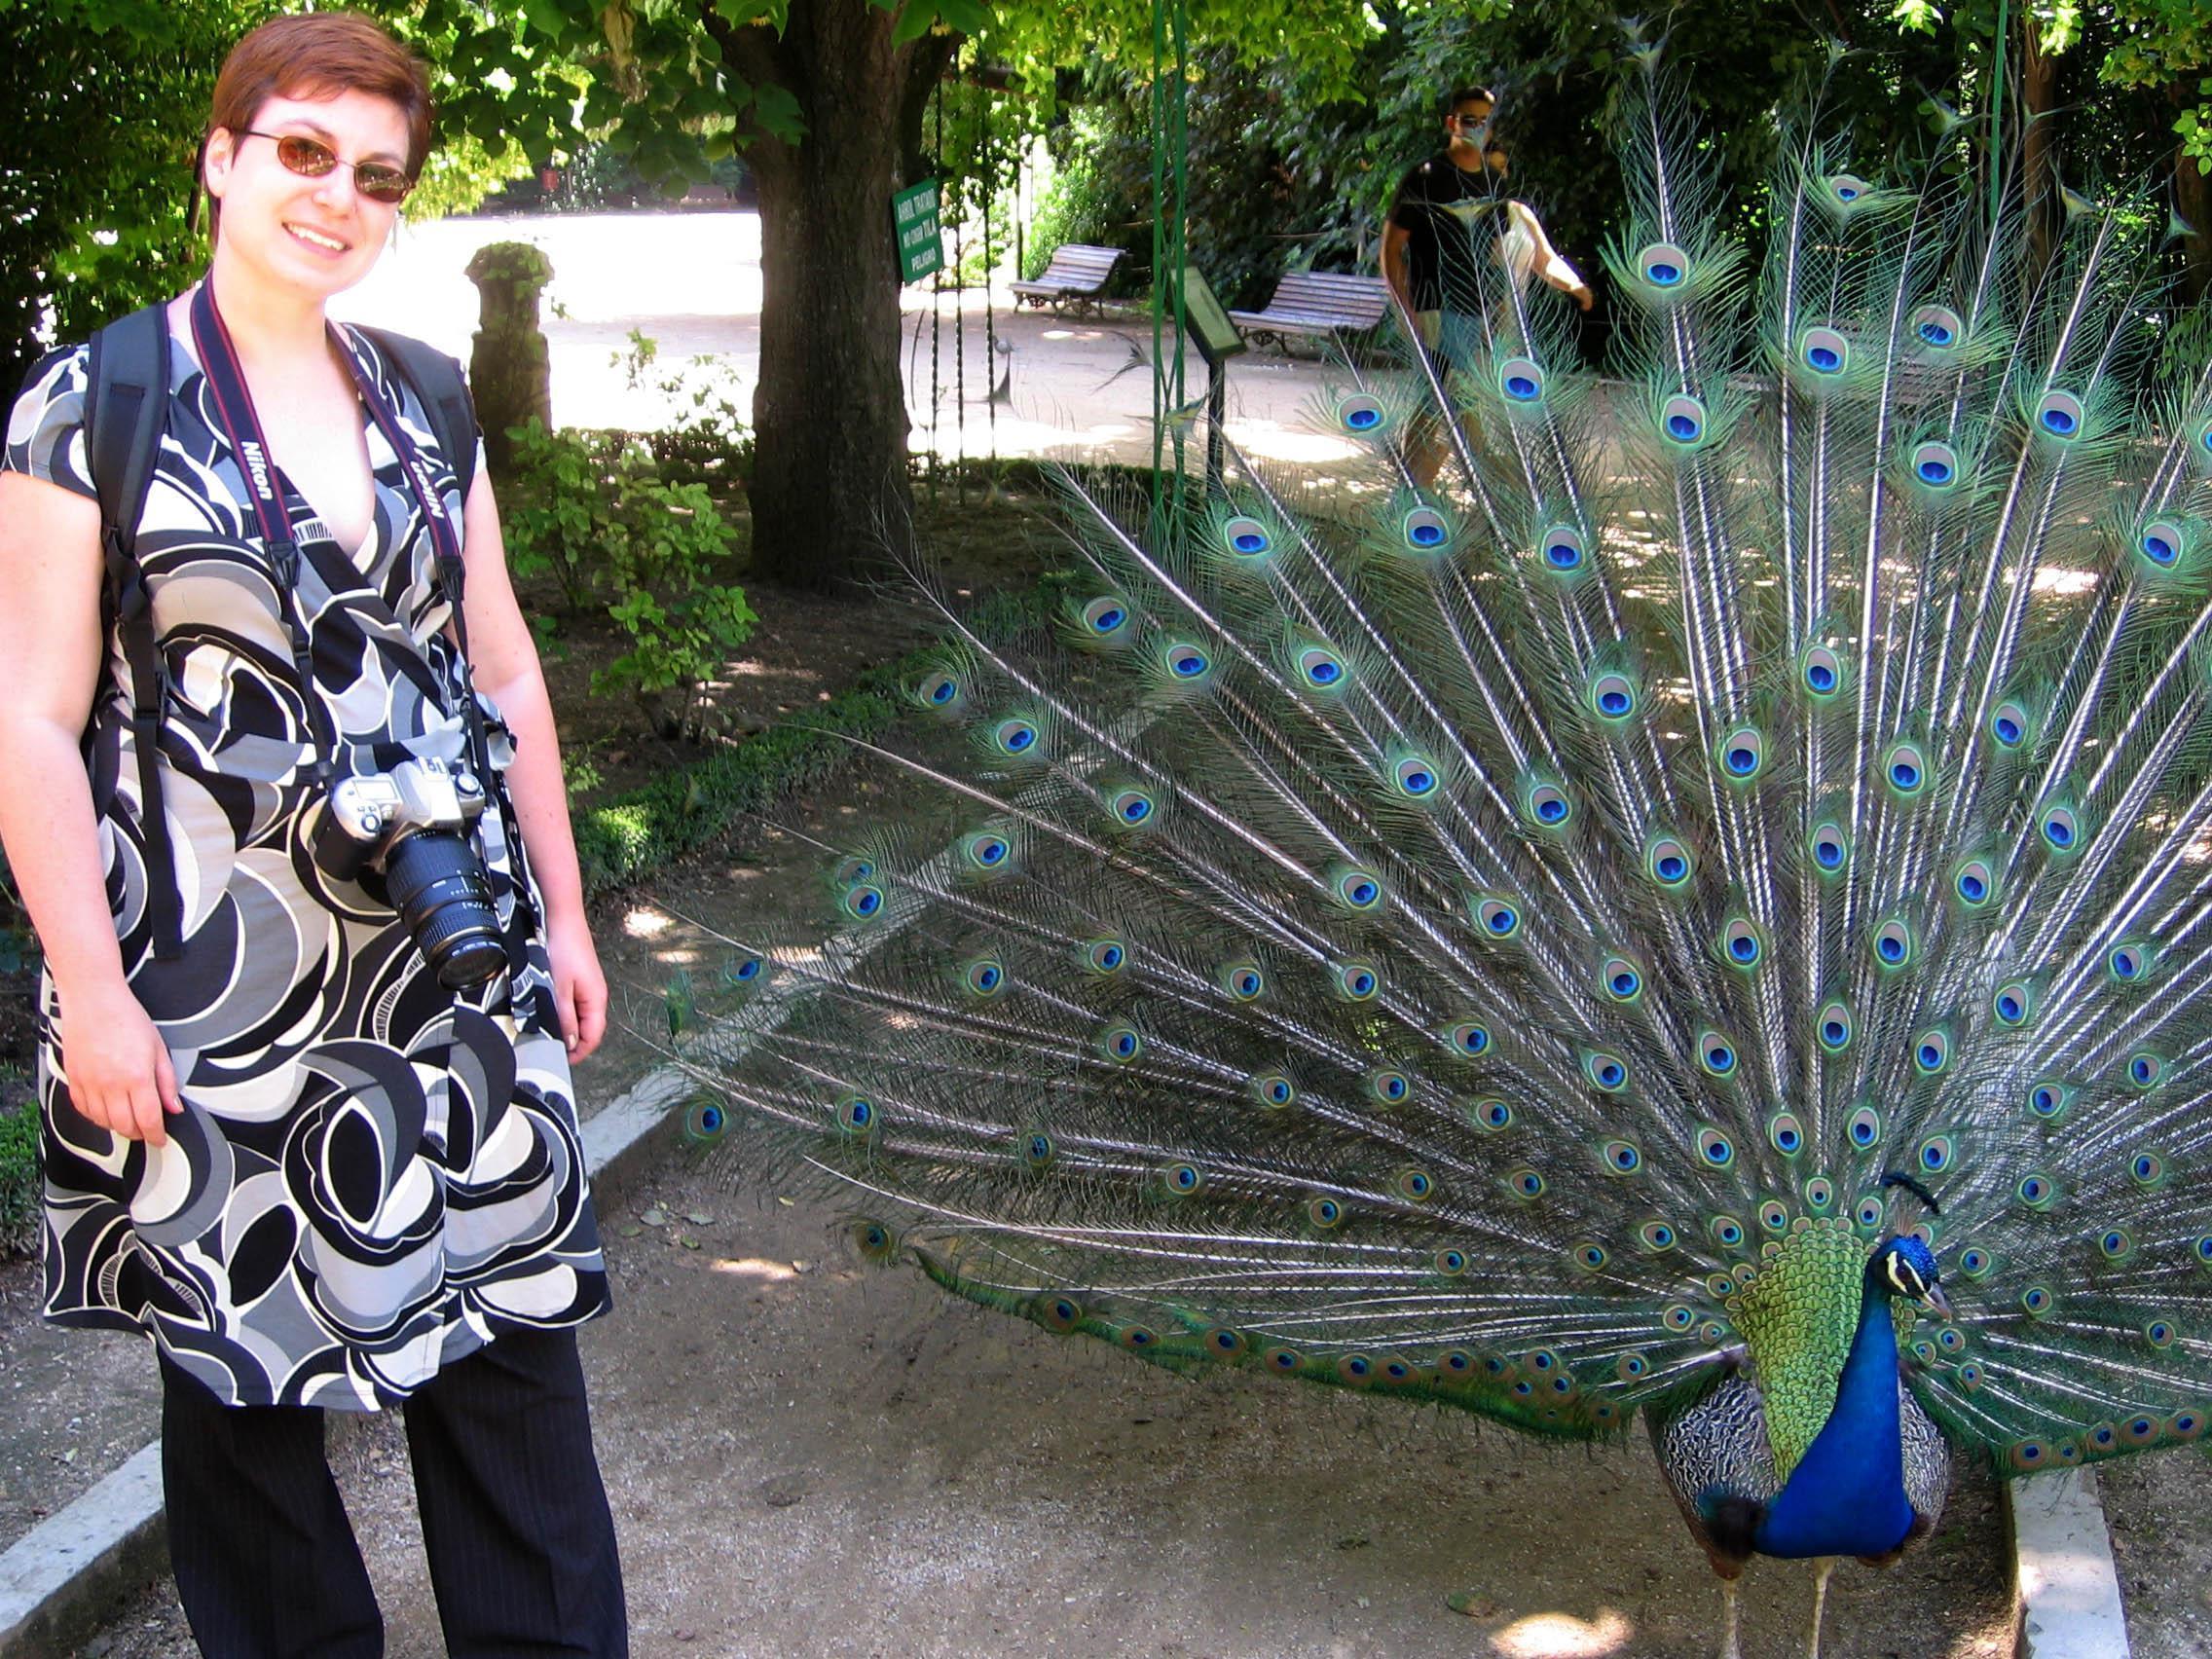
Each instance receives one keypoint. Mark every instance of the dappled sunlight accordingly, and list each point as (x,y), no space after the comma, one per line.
(1563,1635)
(647,923)
(2064,581)
(1272,440)
(756,1268)
(753,667)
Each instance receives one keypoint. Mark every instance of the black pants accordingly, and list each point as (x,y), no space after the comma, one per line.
(514,1518)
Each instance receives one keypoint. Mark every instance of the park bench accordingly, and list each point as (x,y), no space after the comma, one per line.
(1316,302)
(1076,275)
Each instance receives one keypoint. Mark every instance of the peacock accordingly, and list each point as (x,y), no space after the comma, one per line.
(1702,914)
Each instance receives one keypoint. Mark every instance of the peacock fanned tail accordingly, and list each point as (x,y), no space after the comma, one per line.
(1493,944)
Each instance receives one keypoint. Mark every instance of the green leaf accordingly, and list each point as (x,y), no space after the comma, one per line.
(913,21)
(779,114)
(548,17)
(969,17)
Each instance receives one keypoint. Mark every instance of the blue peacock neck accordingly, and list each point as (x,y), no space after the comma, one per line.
(1846,1494)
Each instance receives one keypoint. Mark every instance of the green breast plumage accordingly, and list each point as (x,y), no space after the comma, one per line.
(1796,1311)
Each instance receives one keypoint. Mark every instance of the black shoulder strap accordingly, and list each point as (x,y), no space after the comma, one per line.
(127,399)
(127,395)
(438,381)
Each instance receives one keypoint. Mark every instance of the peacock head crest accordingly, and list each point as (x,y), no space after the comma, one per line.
(1906,1266)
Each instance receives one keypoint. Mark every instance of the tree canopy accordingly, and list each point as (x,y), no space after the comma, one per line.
(1301,113)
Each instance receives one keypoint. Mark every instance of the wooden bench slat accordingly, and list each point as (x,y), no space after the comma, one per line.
(1318,302)
(1077,271)
(1330,316)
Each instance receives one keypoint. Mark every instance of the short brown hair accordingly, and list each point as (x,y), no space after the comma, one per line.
(319,55)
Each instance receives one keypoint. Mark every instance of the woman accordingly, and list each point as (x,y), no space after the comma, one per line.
(278,1144)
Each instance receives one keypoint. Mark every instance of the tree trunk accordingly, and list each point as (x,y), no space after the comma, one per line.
(2193,200)
(831,495)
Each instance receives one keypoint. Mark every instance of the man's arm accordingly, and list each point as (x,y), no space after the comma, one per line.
(1396,266)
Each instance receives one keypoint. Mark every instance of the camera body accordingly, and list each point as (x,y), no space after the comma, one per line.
(414,822)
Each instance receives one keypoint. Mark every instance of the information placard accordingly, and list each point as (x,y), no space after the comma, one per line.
(914,225)
(1211,331)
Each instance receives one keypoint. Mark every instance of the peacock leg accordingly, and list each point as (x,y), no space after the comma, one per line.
(1729,1648)
(1822,1566)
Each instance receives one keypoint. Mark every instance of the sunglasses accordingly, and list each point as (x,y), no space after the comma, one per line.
(312,158)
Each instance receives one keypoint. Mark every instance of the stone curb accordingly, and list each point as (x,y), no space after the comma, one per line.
(2069,1588)
(74,1572)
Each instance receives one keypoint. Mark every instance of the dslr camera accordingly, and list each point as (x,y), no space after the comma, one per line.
(414,822)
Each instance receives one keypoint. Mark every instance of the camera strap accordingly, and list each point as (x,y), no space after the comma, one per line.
(445,547)
(233,405)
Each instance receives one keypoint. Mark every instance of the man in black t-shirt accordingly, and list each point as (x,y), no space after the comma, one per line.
(1450,211)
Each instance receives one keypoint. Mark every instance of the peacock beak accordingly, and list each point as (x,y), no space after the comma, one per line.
(1937,1302)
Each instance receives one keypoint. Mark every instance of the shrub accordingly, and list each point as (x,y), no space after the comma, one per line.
(19,1171)
(593,511)
(707,440)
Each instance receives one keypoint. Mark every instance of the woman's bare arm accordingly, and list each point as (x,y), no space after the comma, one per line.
(49,637)
(504,660)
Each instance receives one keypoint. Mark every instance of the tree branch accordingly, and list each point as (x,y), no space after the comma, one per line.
(923,66)
(759,56)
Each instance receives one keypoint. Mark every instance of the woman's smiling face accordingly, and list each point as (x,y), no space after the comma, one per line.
(319,235)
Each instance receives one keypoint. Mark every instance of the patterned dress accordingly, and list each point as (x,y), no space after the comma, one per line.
(371,1176)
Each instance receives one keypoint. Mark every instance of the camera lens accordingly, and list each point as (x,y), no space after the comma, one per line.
(436,883)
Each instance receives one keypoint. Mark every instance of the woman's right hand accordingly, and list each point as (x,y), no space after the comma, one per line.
(116,1066)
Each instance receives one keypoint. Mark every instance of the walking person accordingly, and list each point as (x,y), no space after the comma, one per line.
(286,811)
(1447,214)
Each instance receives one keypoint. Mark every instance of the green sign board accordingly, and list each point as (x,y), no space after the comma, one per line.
(1211,331)
(914,223)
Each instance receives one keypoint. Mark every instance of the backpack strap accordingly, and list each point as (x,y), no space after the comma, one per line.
(437,379)
(127,405)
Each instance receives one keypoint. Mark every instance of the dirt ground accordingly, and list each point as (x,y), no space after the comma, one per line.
(809,1457)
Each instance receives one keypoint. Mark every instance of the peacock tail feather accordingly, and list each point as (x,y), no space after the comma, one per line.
(1496,944)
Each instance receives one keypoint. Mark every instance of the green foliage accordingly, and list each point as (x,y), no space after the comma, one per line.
(593,511)
(2167,44)
(105,100)
(975,139)
(1292,166)
(1080,201)
(459,174)
(20,1185)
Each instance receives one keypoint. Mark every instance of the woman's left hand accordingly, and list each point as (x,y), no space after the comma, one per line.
(579,988)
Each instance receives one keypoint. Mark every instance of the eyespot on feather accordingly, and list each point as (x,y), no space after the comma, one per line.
(1562,550)
(1361,415)
(1663,265)
(1936,329)
(1684,421)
